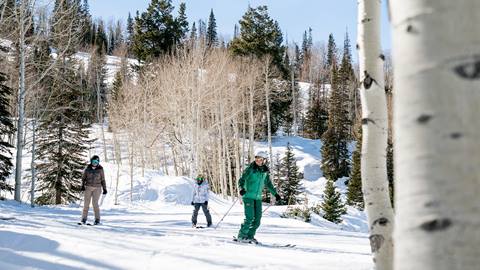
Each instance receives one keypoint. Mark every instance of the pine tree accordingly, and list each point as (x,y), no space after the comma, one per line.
(335,157)
(316,122)
(155,31)
(63,133)
(260,35)
(181,25)
(118,34)
(332,204)
(212,38)
(290,186)
(62,139)
(86,20)
(101,40)
(193,33)
(116,86)
(354,192)
(347,84)
(6,129)
(331,51)
(130,31)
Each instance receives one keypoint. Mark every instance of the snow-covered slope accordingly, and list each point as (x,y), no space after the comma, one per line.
(153,231)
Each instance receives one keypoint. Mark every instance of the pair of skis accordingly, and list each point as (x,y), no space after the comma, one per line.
(88,224)
(274,245)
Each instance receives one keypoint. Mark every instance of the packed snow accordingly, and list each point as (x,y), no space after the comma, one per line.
(153,230)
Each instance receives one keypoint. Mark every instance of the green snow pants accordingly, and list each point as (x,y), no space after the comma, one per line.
(253,215)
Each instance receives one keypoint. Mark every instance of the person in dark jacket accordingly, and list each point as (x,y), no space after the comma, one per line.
(93,182)
(251,185)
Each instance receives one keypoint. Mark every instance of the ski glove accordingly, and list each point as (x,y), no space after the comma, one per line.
(192,203)
(82,188)
(104,191)
(242,192)
(278,198)
(206,203)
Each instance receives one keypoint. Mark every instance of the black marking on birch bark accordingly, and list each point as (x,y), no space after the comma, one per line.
(382,56)
(436,225)
(432,204)
(357,46)
(424,118)
(468,70)
(409,28)
(376,242)
(370,203)
(366,120)
(366,20)
(381,221)
(456,135)
(368,81)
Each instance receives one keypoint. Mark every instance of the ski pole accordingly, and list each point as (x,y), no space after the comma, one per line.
(266,209)
(234,202)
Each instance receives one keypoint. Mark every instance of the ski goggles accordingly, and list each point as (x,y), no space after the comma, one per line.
(200,178)
(95,162)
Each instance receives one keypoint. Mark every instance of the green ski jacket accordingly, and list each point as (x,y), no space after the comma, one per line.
(254,179)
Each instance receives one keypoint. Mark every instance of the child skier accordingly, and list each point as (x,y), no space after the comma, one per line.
(200,198)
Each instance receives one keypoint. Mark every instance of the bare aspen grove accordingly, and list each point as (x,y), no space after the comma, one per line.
(190,110)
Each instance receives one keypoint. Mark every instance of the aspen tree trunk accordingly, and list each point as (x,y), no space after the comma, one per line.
(32,164)
(437,152)
(100,119)
(266,70)
(118,159)
(251,126)
(131,159)
(165,160)
(21,105)
(236,153)
(294,106)
(375,132)
(244,135)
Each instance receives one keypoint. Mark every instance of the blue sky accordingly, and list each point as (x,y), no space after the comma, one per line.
(294,16)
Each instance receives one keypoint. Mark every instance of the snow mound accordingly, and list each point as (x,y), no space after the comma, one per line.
(159,189)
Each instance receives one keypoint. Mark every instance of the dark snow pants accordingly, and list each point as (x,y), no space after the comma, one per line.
(253,215)
(205,211)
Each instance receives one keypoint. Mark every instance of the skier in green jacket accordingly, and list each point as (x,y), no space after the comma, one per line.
(251,185)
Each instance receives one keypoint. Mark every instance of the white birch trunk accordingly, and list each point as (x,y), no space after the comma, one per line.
(118,159)
(267,103)
(251,124)
(375,133)
(294,106)
(131,159)
(32,164)
(437,153)
(21,105)
(236,153)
